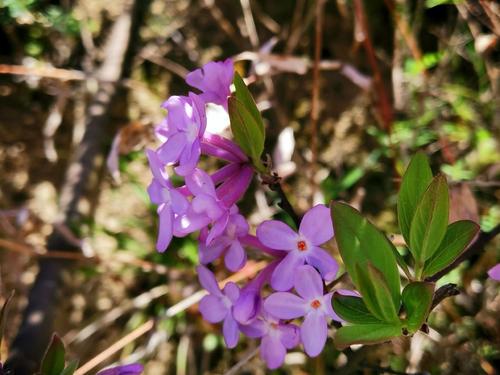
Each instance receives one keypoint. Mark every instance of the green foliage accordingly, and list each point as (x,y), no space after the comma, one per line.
(360,242)
(429,223)
(53,360)
(365,334)
(246,123)
(415,181)
(458,235)
(417,301)
(352,309)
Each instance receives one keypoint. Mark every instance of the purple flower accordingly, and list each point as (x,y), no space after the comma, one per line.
(169,200)
(276,338)
(218,305)
(303,247)
(235,256)
(185,125)
(214,80)
(494,272)
(132,369)
(312,304)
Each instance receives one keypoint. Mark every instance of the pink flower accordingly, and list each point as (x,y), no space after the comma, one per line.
(303,247)
(312,304)
(494,272)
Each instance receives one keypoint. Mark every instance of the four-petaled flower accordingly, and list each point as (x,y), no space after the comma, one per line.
(169,200)
(312,304)
(217,306)
(214,80)
(276,337)
(303,247)
(183,129)
(228,242)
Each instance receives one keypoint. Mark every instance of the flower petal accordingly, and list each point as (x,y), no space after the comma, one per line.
(272,352)
(327,303)
(218,228)
(323,261)
(316,225)
(213,309)
(231,291)
(494,272)
(313,333)
(285,305)
(208,281)
(164,227)
(308,283)
(157,167)
(170,151)
(277,235)
(255,329)
(290,335)
(231,331)
(178,201)
(283,275)
(199,182)
(214,250)
(236,257)
(188,163)
(155,192)
(247,306)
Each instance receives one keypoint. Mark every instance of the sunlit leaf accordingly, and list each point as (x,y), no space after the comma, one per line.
(352,309)
(365,334)
(53,360)
(417,301)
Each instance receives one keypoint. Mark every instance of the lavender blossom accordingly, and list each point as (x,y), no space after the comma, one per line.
(302,247)
(228,243)
(276,337)
(218,305)
(494,272)
(183,130)
(214,80)
(169,200)
(312,304)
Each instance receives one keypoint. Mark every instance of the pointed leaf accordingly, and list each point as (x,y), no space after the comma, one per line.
(70,368)
(365,334)
(53,360)
(375,292)
(430,221)
(360,241)
(417,301)
(352,309)
(415,181)
(458,236)
(245,97)
(246,131)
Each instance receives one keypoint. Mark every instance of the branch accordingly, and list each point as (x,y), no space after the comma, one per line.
(476,247)
(447,290)
(274,183)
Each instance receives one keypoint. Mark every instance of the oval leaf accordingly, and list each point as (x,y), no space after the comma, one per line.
(415,181)
(417,301)
(430,221)
(458,236)
(245,97)
(352,309)
(360,241)
(53,360)
(376,294)
(365,334)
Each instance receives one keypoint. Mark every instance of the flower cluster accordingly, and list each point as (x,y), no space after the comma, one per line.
(291,286)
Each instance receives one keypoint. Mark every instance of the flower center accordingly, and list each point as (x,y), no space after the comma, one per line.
(316,304)
(301,245)
(274,325)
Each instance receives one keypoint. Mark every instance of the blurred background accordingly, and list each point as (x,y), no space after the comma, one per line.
(349,90)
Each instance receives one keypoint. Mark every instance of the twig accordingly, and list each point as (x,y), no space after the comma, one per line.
(318,42)
(250,23)
(274,183)
(477,246)
(234,370)
(445,291)
(384,104)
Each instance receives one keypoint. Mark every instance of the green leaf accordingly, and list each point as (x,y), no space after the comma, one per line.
(375,292)
(246,131)
(417,301)
(245,97)
(352,309)
(458,236)
(53,360)
(365,334)
(416,179)
(70,368)
(430,221)
(360,241)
